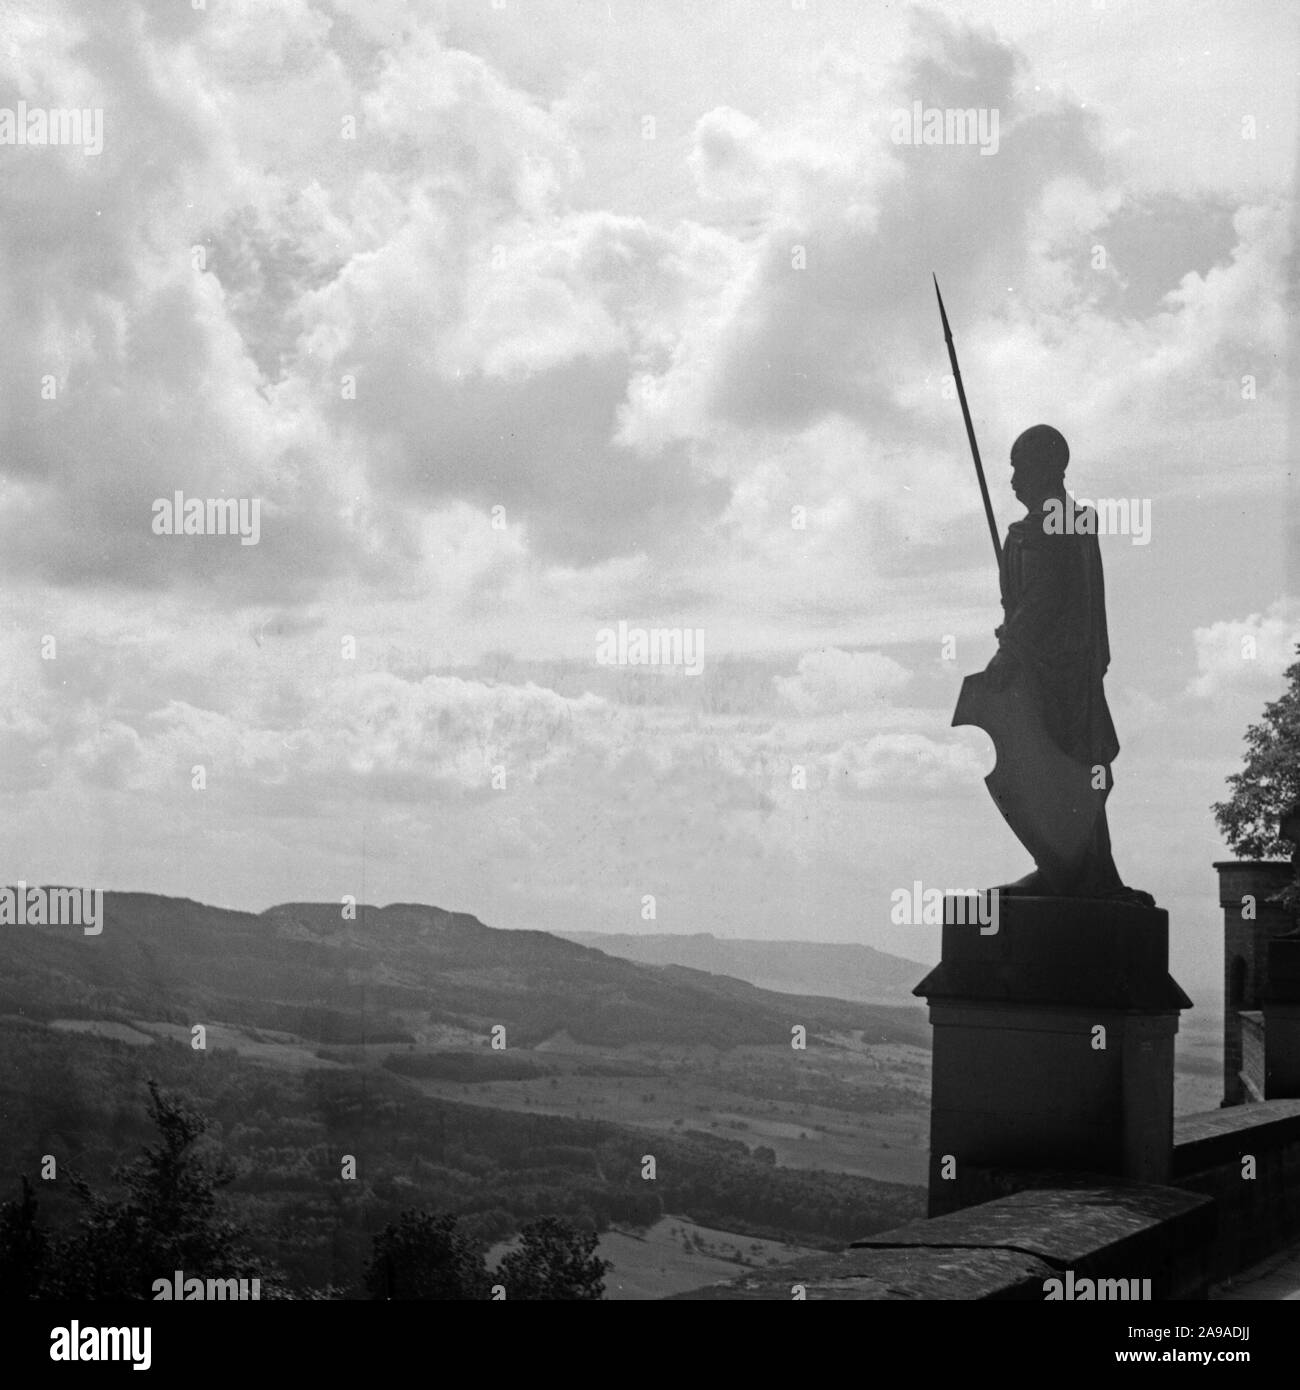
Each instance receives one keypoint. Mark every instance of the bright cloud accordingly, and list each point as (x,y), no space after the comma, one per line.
(1247,653)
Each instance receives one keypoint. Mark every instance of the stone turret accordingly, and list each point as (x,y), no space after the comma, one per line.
(1261,975)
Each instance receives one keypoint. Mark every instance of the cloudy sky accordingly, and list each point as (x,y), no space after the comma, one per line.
(521,318)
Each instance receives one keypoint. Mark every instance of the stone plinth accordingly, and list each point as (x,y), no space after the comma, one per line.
(1053,1046)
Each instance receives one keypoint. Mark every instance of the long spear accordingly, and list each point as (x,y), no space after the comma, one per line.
(970,429)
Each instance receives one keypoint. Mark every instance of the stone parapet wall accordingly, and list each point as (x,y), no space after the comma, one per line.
(1010,1249)
(1255,1216)
(1211,1222)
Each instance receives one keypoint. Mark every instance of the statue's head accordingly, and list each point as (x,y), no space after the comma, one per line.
(1038,460)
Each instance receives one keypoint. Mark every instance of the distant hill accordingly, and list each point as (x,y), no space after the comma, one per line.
(402,973)
(838,971)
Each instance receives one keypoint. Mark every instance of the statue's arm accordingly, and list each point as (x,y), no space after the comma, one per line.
(1028,627)
(1044,571)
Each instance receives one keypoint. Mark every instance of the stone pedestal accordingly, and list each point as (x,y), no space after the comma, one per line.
(1053,1046)
(1282,1021)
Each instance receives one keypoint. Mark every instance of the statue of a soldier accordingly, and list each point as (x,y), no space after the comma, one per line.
(1041,697)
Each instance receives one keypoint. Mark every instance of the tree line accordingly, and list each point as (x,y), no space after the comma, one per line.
(168,1218)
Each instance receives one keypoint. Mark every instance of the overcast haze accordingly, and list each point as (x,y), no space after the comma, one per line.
(644,279)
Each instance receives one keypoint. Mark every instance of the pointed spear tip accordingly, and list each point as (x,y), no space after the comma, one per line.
(943,313)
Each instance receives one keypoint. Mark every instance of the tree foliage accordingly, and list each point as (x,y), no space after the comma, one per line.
(423,1255)
(1269,783)
(167,1221)
(553,1261)
(426,1255)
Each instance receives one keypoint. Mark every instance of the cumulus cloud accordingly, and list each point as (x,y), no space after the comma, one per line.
(400,304)
(377,734)
(1246,653)
(728,157)
(833,680)
(26,750)
(902,764)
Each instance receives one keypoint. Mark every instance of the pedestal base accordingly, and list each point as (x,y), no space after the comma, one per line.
(1053,1047)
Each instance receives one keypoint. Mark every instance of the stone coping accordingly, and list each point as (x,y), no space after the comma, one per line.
(1217,1137)
(1004,1249)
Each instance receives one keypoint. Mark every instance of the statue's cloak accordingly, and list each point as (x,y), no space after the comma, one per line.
(1054,601)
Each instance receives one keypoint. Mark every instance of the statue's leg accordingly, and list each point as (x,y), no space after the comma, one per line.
(1100,878)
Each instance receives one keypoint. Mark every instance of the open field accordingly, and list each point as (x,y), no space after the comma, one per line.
(841,1105)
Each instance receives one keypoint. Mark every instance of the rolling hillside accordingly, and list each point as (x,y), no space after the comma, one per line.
(401,974)
(326,1037)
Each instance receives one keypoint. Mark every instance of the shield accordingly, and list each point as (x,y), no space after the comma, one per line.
(1045,796)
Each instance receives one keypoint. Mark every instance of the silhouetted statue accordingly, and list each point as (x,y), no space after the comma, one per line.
(1041,699)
